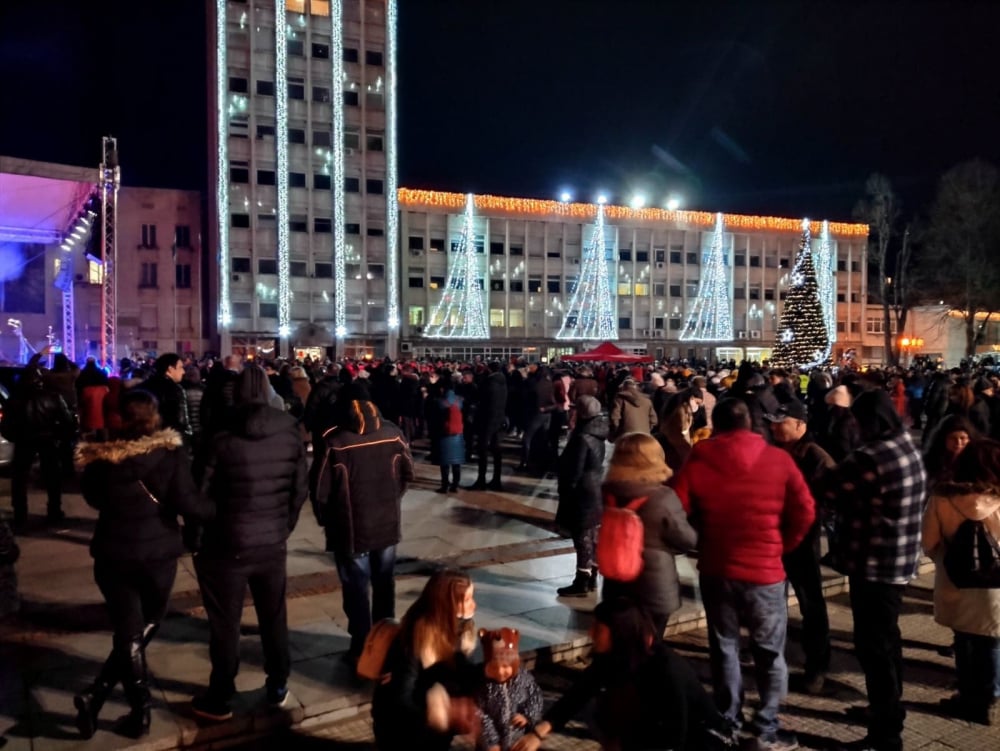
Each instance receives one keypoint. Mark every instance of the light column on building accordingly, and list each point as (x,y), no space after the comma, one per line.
(391,185)
(281,171)
(222,175)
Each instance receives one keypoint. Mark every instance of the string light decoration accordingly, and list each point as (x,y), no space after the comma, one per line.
(825,259)
(462,307)
(591,313)
(711,316)
(391,180)
(588,212)
(281,30)
(222,162)
(802,340)
(337,178)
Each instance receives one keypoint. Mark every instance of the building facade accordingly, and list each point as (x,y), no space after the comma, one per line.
(303,194)
(532,253)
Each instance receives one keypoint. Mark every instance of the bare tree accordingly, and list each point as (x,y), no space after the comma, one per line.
(880,210)
(959,257)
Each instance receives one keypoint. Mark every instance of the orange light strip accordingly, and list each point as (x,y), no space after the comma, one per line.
(435,199)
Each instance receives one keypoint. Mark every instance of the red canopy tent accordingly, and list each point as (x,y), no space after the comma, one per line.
(606,352)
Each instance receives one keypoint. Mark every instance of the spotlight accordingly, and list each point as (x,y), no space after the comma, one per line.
(673,203)
(638,201)
(565,196)
(602,199)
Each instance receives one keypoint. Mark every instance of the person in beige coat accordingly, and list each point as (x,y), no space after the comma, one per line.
(973,614)
(631,411)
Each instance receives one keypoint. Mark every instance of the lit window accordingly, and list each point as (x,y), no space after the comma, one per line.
(95,272)
(624,288)
(295,6)
(641,290)
(416,315)
(496,317)
(515,318)
(320,7)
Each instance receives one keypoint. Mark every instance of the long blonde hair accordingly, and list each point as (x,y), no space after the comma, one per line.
(638,458)
(431,624)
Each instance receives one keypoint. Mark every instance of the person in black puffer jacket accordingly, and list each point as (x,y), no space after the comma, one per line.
(256,472)
(581,468)
(139,484)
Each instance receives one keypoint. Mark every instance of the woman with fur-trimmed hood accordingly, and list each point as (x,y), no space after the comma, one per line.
(139,483)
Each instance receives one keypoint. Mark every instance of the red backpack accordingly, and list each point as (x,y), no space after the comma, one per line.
(453,424)
(621,540)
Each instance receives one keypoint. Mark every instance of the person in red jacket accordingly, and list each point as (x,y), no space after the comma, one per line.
(750,505)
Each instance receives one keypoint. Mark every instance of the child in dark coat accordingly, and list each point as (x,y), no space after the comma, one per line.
(509,700)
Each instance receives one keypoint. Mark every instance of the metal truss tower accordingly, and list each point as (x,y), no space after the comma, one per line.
(109,180)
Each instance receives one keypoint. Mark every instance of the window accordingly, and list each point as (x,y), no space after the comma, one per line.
(148,236)
(437,245)
(641,289)
(238,85)
(241,310)
(517,285)
(675,256)
(675,290)
(350,55)
(659,289)
(692,258)
(642,256)
(265,177)
(515,319)
(321,182)
(323,271)
(496,317)
(373,57)
(553,285)
(374,99)
(675,323)
(95,272)
(374,140)
(659,255)
(783,263)
(625,254)
(239,175)
(268,310)
(755,262)
(769,293)
(755,293)
(517,250)
(841,327)
(376,271)
(321,94)
(296,135)
(739,293)
(296,180)
(841,266)
(553,254)
(350,99)
(855,327)
(352,228)
(298,223)
(321,138)
(625,322)
(183,275)
(352,140)
(624,289)
(322,224)
(265,131)
(296,47)
(241,265)
(297,268)
(148,275)
(416,282)
(240,221)
(265,88)
(416,242)
(375,187)
(352,185)
(855,297)
(535,285)
(321,51)
(855,266)
(267,266)
(739,260)
(296,90)
(496,249)
(496,285)
(437,282)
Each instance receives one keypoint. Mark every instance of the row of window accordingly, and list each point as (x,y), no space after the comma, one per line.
(320,51)
(241,265)
(300,223)
(241,175)
(376,313)
(182,236)
(374,139)
(149,273)
(297,90)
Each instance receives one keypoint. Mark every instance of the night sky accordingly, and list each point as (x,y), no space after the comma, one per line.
(750,106)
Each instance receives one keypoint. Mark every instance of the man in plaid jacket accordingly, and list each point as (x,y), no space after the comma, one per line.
(878,495)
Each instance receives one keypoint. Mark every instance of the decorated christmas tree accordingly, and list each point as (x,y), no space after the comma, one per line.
(461,311)
(802,338)
(711,317)
(591,312)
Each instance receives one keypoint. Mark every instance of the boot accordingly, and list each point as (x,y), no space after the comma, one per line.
(579,588)
(592,584)
(89,703)
(136,682)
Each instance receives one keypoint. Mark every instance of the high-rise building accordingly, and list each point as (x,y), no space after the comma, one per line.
(302,194)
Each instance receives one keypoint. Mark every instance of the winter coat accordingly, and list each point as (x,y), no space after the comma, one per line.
(172,401)
(631,412)
(749,503)
(971,611)
(195,393)
(584,386)
(121,479)
(357,486)
(9,553)
(451,445)
(112,407)
(539,396)
(581,468)
(657,589)
(35,415)
(92,407)
(217,401)
(499,702)
(491,412)
(842,434)
(410,400)
(256,473)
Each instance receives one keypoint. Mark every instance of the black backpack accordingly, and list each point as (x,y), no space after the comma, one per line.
(972,557)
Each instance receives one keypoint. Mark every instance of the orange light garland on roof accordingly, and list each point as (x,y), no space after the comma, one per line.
(414,199)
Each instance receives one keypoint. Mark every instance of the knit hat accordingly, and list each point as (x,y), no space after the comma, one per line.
(839,397)
(501,646)
(587,407)
(638,458)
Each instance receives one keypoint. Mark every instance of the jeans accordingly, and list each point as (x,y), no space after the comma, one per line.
(534,424)
(763,609)
(487,445)
(802,567)
(977,667)
(48,452)
(878,646)
(585,544)
(356,574)
(136,593)
(223,585)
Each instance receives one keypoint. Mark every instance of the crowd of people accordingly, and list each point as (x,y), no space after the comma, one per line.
(749,469)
